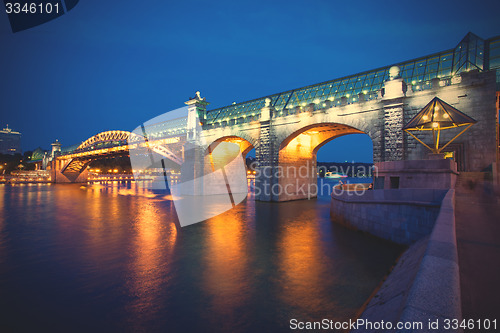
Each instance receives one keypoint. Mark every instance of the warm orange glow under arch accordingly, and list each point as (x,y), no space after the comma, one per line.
(306,142)
(297,158)
(245,145)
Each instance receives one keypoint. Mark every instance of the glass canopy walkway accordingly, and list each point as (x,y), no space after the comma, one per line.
(471,53)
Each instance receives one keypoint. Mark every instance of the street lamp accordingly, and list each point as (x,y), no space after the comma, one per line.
(436,116)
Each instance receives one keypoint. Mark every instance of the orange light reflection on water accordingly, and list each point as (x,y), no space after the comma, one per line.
(226,265)
(152,247)
(300,266)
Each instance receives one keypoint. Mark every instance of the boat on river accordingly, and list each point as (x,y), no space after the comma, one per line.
(334,175)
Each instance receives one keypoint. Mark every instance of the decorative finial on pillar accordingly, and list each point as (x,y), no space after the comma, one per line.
(394,87)
(197,97)
(266,112)
(394,73)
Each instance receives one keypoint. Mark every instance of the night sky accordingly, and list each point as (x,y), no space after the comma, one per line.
(115,64)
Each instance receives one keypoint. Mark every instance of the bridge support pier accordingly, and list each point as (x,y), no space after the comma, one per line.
(267,154)
(69,177)
(57,176)
(297,179)
(192,170)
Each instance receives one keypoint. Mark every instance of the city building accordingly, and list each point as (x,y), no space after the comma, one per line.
(10,141)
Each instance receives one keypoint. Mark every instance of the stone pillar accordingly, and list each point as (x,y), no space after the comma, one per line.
(197,108)
(297,177)
(377,136)
(53,170)
(267,155)
(393,117)
(193,167)
(393,132)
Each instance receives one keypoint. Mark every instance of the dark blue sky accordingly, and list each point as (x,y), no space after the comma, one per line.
(114,64)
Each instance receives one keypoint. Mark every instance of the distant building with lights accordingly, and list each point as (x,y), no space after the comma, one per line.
(10,141)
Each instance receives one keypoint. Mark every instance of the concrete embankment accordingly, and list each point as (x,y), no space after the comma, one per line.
(400,215)
(425,283)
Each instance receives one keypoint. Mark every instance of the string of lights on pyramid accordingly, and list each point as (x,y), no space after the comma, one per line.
(436,116)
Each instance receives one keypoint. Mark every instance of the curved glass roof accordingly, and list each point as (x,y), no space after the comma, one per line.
(167,128)
(471,53)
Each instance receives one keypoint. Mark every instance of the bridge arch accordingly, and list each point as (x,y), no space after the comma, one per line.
(72,166)
(297,157)
(308,139)
(218,156)
(118,137)
(245,144)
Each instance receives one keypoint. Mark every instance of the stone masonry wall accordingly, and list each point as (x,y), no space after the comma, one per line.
(402,216)
(393,134)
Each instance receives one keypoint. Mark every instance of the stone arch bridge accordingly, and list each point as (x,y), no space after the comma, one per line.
(288,128)
(291,141)
(287,143)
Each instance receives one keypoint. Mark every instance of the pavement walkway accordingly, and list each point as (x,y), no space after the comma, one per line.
(478,238)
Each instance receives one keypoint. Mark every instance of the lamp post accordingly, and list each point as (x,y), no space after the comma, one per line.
(436,116)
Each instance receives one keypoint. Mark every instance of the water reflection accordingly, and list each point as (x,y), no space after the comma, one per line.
(150,269)
(301,261)
(108,257)
(227,279)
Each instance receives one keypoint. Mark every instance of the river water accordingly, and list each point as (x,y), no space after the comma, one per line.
(105,258)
